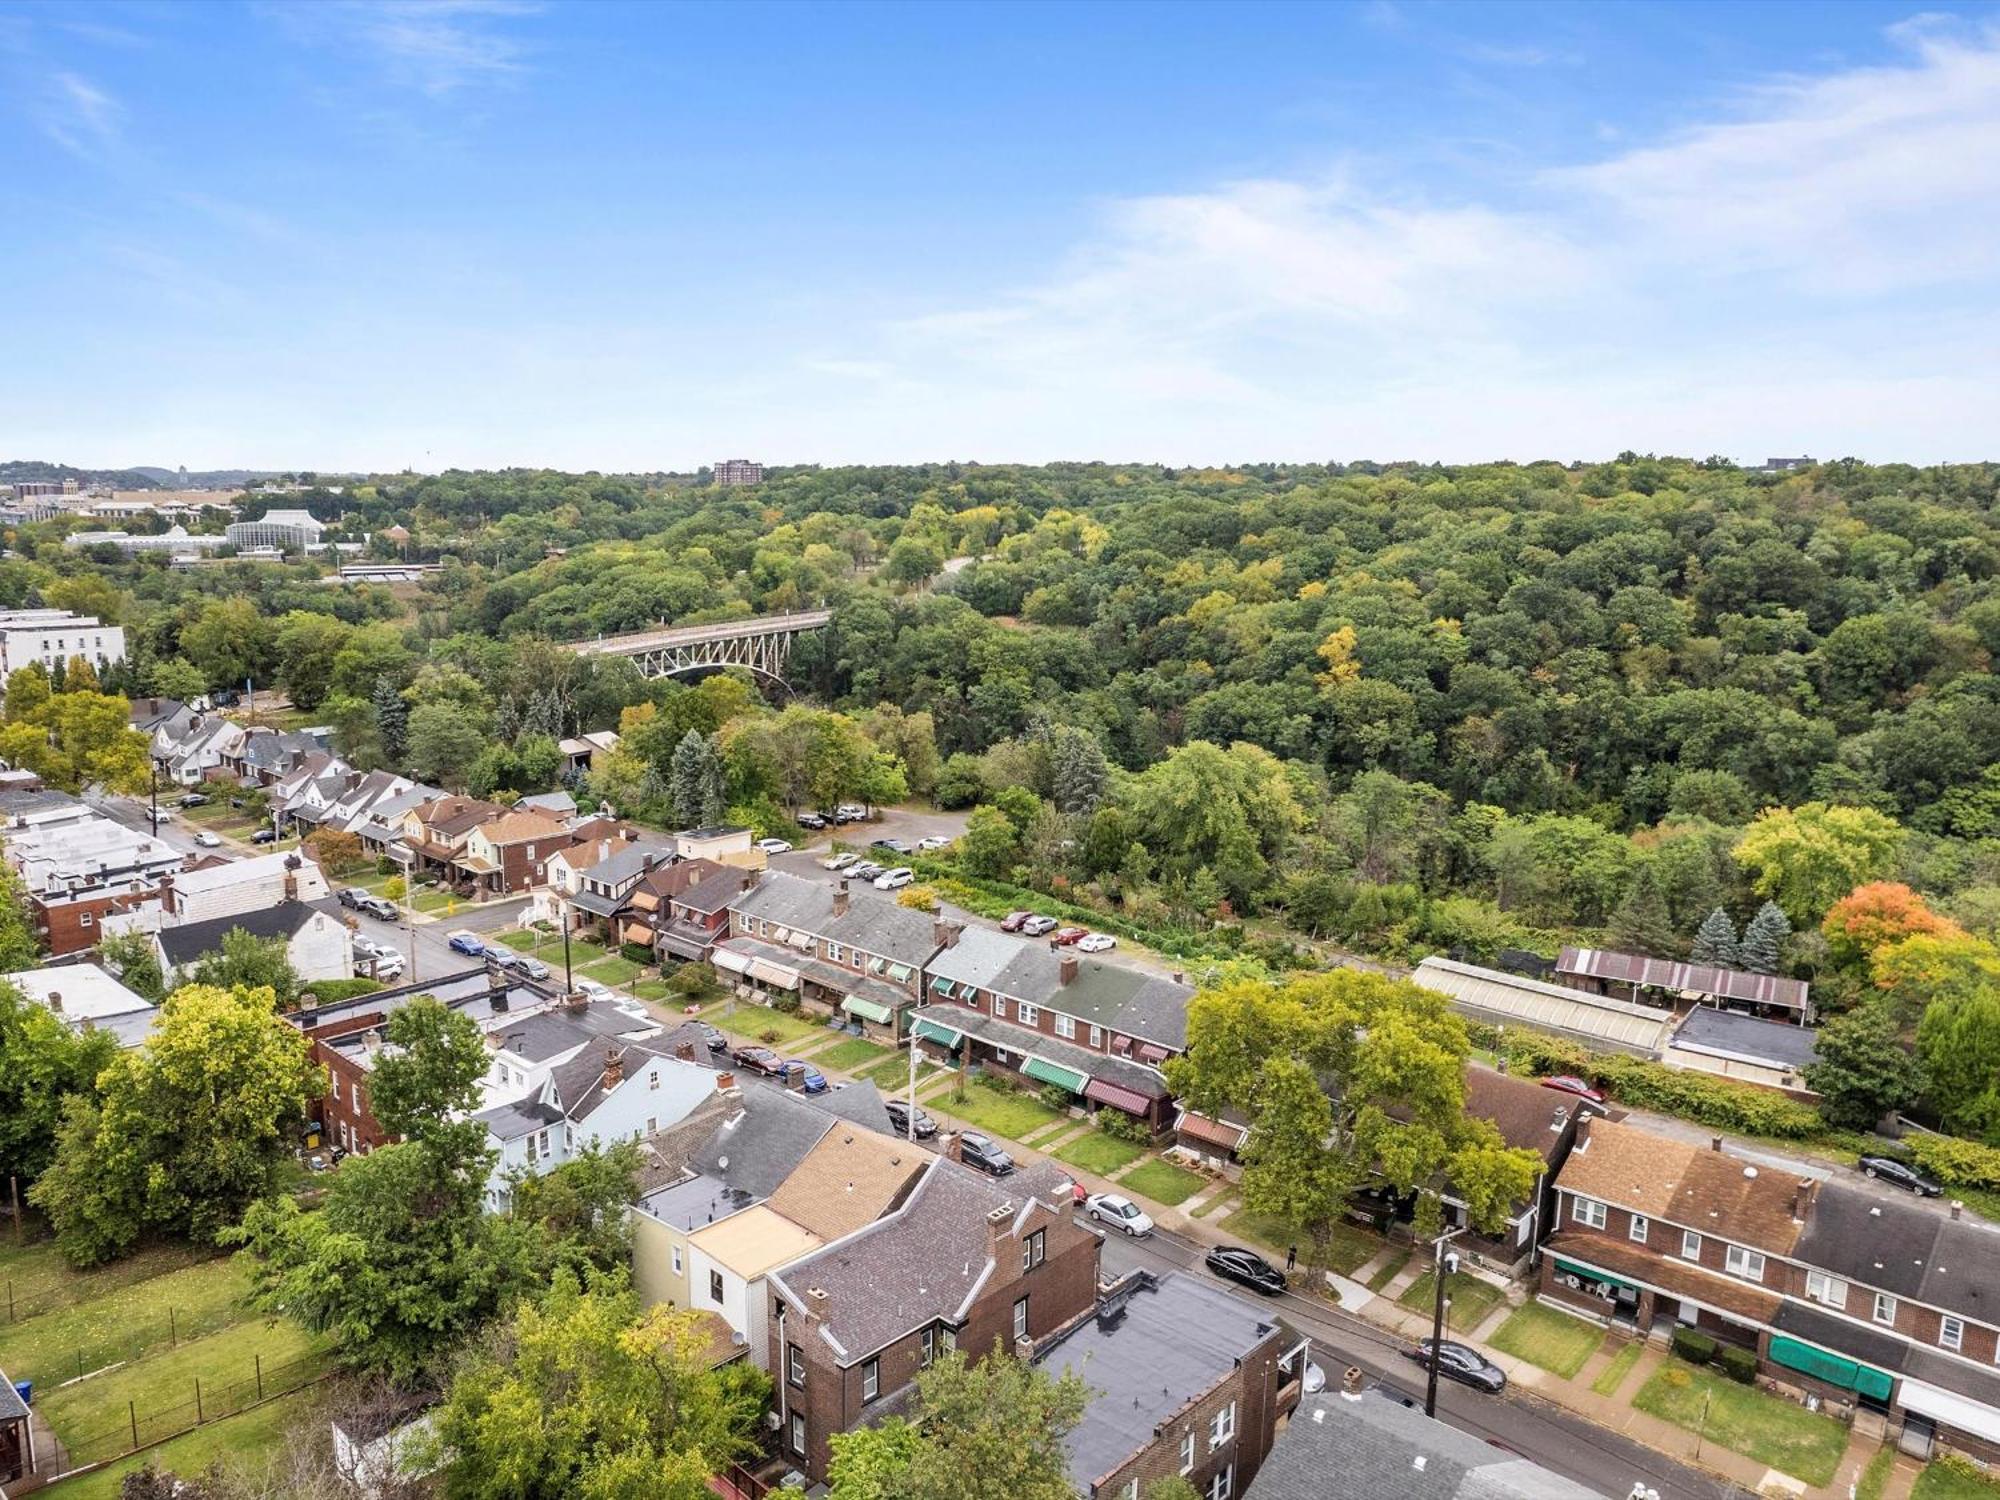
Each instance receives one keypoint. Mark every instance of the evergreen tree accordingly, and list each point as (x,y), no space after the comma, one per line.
(1078,770)
(392,718)
(695,781)
(1715,940)
(1642,923)
(1763,942)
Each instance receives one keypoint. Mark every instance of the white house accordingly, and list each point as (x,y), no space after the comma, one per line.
(192,756)
(318,946)
(87,998)
(243,885)
(52,635)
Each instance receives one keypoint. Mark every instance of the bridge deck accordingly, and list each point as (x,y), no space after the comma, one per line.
(696,635)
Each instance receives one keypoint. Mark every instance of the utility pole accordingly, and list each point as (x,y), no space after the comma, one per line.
(410,909)
(569,984)
(1442,1265)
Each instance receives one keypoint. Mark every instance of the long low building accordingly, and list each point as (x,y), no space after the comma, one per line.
(1510,1000)
(1597,969)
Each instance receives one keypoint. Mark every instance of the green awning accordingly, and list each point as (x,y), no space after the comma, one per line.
(1048,1072)
(854,1005)
(943,986)
(1834,1369)
(1589,1275)
(901,973)
(933,1031)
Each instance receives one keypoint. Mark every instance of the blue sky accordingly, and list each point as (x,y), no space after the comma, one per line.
(385,233)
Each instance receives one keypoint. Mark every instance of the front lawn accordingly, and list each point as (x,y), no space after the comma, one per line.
(614,970)
(857,1054)
(1774,1432)
(430,898)
(1100,1153)
(1553,1340)
(247,1444)
(1469,1300)
(1163,1182)
(1614,1375)
(893,1076)
(1952,1478)
(1350,1249)
(1002,1112)
(750,1022)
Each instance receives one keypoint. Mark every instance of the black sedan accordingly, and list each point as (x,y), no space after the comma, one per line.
(983,1154)
(716,1041)
(758,1060)
(1234,1263)
(899,1116)
(1459,1362)
(1899,1174)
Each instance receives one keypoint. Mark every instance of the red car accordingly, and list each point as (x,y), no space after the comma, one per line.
(1569,1083)
(1014,919)
(759,1060)
(1068,935)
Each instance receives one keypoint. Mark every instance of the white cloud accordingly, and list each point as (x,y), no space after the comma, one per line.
(435,46)
(79,116)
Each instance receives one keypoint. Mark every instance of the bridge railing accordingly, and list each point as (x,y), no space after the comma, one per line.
(695,635)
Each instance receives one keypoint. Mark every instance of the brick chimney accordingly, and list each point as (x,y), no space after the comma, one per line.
(614,1067)
(1804,1192)
(1066,967)
(1715,1143)
(685,1051)
(647,860)
(840,899)
(816,1302)
(999,1226)
(1351,1383)
(1957,1207)
(945,934)
(55,1001)
(1583,1119)
(576,1002)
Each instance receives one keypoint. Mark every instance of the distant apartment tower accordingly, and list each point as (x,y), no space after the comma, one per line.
(52,635)
(28,489)
(738,471)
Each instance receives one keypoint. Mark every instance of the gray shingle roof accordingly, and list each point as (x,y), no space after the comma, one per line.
(1110,995)
(757,1148)
(511,1121)
(192,940)
(1372,1448)
(870,924)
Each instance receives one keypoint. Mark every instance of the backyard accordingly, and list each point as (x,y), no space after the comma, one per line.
(247,1442)
(1548,1338)
(1774,1432)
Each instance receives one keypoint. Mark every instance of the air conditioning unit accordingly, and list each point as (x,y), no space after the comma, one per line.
(771,1420)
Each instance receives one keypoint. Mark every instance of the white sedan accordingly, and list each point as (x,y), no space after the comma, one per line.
(775,846)
(1111,1208)
(208,840)
(890,880)
(839,861)
(934,841)
(1096,942)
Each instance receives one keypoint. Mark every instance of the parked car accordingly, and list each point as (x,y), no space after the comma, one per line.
(378,906)
(1247,1267)
(840,861)
(866,870)
(501,954)
(592,989)
(934,841)
(162,815)
(713,1036)
(1569,1083)
(208,840)
(890,880)
(1460,1362)
(1037,925)
(1899,1174)
(524,964)
(1064,936)
(811,820)
(1014,921)
(1117,1210)
(1096,942)
(465,942)
(849,812)
(758,1060)
(264,836)
(194,799)
(899,1116)
(350,896)
(894,846)
(983,1154)
(390,966)
(810,1079)
(775,846)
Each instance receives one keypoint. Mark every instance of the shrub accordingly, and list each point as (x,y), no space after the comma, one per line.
(386,866)
(1123,1127)
(333,991)
(1719,1102)
(768,1036)
(396,889)
(637,953)
(786,1004)
(1055,1096)
(1956,1163)
(1694,1346)
(692,979)
(1740,1365)
(918,898)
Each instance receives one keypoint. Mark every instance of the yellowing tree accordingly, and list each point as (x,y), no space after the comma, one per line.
(1807,857)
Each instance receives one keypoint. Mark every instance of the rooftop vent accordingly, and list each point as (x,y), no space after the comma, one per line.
(1749,1171)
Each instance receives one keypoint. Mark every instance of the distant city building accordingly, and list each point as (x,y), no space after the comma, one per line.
(738,471)
(52,635)
(29,488)
(287,530)
(176,540)
(1785,465)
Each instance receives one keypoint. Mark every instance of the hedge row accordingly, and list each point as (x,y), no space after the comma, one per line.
(1956,1163)
(1716,1102)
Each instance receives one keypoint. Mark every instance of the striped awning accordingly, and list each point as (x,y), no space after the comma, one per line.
(1151,1053)
(1048,1072)
(1130,1100)
(770,973)
(731,960)
(933,1031)
(1212,1132)
(854,1005)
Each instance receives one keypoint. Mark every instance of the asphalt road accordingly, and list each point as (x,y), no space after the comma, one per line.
(1590,1455)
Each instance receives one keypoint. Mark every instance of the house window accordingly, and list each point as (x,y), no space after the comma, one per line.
(543,1137)
(1951,1333)
(1639,1229)
(835,953)
(1187,1451)
(1690,1245)
(1745,1263)
(1222,1427)
(871,1380)
(652,1125)
(532,1158)
(1066,1027)
(1029,1015)
(928,1351)
(1587,1211)
(1224,1484)
(1034,1250)
(678,1263)
(85,920)
(798,1433)
(715,1287)
(1885,1308)
(1000,1006)
(1021,1319)
(334,1079)
(653,1079)
(1097,1036)
(795,1365)
(1131,1491)
(948,1336)
(1821,1287)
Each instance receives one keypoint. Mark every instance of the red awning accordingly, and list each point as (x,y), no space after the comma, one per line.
(1130,1100)
(1214,1132)
(1153,1054)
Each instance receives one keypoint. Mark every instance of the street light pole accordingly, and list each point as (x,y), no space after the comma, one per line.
(1441,1266)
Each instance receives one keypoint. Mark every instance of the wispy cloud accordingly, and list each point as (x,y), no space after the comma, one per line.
(434,46)
(79,116)
(1519,55)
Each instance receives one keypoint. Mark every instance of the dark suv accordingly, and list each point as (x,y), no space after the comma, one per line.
(983,1154)
(899,1116)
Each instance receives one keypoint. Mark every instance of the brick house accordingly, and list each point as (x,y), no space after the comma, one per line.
(1042,1014)
(435,833)
(680,910)
(1186,1380)
(506,855)
(1874,1304)
(964,1262)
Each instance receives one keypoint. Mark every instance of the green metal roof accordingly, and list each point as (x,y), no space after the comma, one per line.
(1586,1271)
(1834,1369)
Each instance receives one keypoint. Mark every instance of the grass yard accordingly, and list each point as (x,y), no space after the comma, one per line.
(431,899)
(1388,1271)
(1951,1478)
(750,1022)
(1774,1432)
(1875,1478)
(652,989)
(40,1280)
(615,970)
(1351,1247)
(857,1054)
(1163,1182)
(123,1322)
(1615,1374)
(894,1074)
(1471,1299)
(525,939)
(1553,1340)
(246,1442)
(1100,1153)
(1002,1112)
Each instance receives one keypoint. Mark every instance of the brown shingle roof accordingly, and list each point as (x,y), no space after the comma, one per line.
(1711,1192)
(1636,1263)
(1626,1166)
(1527,1114)
(851,1178)
(451,816)
(520,827)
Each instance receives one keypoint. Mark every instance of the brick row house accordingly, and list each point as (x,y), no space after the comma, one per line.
(1039,1014)
(1876,1304)
(865,960)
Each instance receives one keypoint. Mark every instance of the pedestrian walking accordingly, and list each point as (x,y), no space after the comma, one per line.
(1292,1258)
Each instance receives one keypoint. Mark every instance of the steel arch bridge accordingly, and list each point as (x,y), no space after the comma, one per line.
(762,646)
